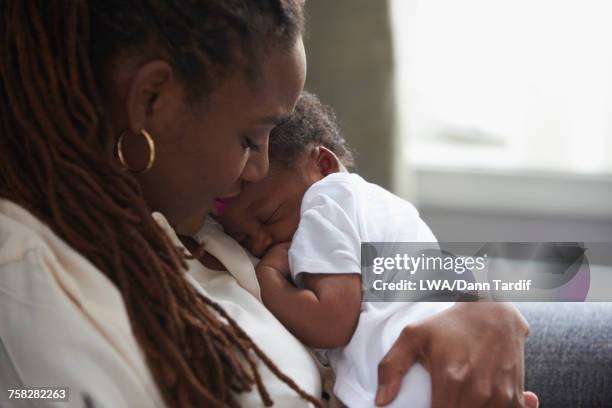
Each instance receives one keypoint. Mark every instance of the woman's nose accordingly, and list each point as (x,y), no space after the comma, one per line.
(257,165)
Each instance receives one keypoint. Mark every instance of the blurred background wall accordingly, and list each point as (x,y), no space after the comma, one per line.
(350,66)
(472,178)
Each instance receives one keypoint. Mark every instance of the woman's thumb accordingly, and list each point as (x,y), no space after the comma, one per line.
(402,355)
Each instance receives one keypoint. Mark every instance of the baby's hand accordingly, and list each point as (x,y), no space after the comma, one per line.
(277,258)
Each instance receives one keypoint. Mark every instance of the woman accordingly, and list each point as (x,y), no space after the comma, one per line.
(111,110)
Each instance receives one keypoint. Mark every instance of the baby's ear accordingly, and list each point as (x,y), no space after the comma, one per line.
(327,162)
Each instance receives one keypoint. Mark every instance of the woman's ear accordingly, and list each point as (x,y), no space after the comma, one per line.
(148,90)
(327,162)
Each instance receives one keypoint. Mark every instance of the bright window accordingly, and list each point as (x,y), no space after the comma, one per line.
(505,84)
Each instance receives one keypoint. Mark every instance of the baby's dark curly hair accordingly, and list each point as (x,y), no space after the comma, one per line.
(311,123)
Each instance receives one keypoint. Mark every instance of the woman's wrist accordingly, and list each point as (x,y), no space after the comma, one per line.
(502,312)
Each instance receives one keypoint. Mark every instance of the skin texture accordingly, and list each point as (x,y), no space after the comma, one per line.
(268,212)
(202,149)
(489,366)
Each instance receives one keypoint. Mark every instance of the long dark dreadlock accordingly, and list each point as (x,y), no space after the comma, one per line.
(56,147)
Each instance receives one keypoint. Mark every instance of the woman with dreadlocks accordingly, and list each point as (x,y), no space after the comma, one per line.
(112,109)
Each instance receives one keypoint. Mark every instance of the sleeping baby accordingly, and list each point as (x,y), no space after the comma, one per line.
(306,221)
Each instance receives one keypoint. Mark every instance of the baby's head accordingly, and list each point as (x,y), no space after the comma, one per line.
(303,149)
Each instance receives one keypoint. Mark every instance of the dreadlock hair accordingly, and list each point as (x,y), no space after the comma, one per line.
(311,123)
(56,146)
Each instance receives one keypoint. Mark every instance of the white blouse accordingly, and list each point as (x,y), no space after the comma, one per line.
(64,323)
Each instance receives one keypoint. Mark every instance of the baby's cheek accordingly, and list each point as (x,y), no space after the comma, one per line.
(285,234)
(233,228)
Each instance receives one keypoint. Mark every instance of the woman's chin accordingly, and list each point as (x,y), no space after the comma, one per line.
(191,225)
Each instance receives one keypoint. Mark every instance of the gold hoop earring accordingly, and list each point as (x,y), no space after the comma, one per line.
(121,157)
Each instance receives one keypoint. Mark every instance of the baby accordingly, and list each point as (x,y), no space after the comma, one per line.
(306,221)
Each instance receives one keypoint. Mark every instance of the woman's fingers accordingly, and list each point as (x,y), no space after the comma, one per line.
(479,392)
(531,400)
(506,396)
(446,387)
(406,350)
(474,353)
(476,356)
(467,390)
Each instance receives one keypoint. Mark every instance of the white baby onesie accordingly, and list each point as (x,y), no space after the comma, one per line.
(338,213)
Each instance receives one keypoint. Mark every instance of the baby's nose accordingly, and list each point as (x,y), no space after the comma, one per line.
(261,244)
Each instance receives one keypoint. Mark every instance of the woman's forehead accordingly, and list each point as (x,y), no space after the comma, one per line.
(283,73)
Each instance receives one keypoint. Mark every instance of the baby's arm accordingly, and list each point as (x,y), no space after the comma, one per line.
(324,314)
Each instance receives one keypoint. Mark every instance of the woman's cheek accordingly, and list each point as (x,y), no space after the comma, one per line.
(228,172)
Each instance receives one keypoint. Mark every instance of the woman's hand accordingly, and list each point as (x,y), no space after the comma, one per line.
(473,351)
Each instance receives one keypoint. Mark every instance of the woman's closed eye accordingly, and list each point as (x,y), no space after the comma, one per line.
(256,139)
(248,143)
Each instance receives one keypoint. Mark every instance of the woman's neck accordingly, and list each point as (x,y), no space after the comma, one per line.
(207,259)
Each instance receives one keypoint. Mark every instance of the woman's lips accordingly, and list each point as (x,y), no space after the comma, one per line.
(219,205)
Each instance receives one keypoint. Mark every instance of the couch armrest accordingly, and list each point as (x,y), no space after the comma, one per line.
(568,355)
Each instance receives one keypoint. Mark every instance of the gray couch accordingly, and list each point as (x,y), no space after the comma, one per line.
(568,355)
